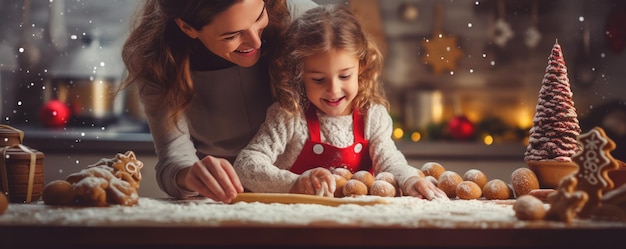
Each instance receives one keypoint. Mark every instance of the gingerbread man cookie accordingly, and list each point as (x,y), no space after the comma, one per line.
(108,181)
(99,186)
(594,161)
(565,203)
(126,162)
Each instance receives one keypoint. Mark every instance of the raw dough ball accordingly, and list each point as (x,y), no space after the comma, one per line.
(383,188)
(58,193)
(386,176)
(340,181)
(365,177)
(476,176)
(4,203)
(354,188)
(448,181)
(523,181)
(468,190)
(433,169)
(528,207)
(346,173)
(497,189)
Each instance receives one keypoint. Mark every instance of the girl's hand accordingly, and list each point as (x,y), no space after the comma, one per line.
(423,188)
(317,181)
(212,177)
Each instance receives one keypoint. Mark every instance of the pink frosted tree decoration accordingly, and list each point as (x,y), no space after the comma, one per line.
(555,125)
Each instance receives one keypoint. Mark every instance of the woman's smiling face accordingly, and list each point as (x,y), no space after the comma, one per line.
(234,34)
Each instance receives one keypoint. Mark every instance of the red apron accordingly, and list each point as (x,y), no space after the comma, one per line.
(317,154)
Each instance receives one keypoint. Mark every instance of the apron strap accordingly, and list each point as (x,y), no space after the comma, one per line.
(359,125)
(313,124)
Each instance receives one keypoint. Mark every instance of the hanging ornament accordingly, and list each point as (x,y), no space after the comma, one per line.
(461,128)
(532,33)
(54,114)
(503,32)
(442,51)
(615,29)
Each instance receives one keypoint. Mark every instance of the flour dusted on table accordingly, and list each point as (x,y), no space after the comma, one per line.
(409,212)
(401,211)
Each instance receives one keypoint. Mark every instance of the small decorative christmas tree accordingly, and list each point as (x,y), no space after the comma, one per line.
(555,125)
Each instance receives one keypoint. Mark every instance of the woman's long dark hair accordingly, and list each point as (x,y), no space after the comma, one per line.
(157,52)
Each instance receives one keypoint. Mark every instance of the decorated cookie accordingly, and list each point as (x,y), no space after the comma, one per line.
(566,202)
(594,162)
(123,163)
(108,181)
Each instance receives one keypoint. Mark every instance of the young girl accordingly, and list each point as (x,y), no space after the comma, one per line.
(330,112)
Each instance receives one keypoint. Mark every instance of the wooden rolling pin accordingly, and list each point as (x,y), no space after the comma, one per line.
(305,199)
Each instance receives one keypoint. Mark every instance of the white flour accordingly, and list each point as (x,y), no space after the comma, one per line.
(399,212)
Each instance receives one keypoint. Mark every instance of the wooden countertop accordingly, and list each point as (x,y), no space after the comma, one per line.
(405,222)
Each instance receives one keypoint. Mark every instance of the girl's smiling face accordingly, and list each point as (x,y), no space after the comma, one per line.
(331,81)
(234,34)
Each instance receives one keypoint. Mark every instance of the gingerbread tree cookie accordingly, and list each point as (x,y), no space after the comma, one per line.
(594,162)
(555,125)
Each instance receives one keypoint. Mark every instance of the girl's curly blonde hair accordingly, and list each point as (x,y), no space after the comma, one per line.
(321,29)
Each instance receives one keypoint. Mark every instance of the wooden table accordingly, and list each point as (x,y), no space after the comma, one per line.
(54,232)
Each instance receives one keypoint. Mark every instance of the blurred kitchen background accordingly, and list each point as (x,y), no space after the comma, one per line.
(457,72)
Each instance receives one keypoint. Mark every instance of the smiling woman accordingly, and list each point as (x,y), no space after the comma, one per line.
(201,71)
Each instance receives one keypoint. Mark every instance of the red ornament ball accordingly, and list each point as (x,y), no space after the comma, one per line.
(461,128)
(54,113)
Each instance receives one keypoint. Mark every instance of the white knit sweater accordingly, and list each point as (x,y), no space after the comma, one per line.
(263,165)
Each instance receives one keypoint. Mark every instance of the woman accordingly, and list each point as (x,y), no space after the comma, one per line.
(201,70)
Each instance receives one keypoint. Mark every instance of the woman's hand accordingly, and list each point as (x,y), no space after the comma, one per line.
(212,177)
(317,181)
(423,188)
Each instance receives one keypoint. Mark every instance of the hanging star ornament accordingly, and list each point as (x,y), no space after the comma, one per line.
(441,52)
